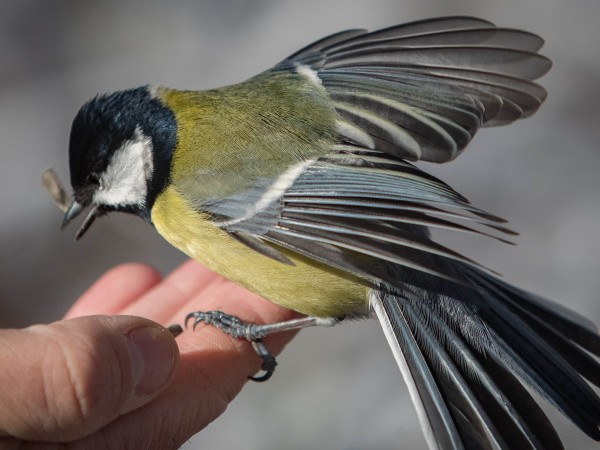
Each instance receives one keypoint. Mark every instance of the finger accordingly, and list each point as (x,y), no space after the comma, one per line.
(213,369)
(116,289)
(194,288)
(66,380)
(163,303)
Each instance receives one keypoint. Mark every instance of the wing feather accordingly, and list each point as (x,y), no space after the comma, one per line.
(422,90)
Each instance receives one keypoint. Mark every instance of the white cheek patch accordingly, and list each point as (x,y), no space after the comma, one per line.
(124,182)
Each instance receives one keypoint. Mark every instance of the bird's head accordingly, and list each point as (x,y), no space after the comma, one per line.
(119,154)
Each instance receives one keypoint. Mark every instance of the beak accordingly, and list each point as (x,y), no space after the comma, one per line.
(74,210)
(95,212)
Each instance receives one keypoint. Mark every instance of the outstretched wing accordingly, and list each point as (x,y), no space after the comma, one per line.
(421,90)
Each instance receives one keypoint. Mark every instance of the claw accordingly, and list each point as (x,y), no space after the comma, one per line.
(238,329)
(268,362)
(254,333)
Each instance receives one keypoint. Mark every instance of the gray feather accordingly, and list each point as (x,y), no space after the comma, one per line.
(422,90)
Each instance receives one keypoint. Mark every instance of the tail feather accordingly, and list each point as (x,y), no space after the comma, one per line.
(568,334)
(470,391)
(572,325)
(545,370)
(481,344)
(436,421)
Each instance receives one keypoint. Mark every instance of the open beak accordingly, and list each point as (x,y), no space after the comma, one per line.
(75,210)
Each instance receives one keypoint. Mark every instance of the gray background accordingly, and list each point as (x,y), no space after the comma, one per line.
(335,388)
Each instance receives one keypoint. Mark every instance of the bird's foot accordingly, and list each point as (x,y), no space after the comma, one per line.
(254,333)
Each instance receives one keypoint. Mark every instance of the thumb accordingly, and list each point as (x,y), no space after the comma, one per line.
(64,381)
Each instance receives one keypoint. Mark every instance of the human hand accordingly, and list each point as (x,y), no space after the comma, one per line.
(117,380)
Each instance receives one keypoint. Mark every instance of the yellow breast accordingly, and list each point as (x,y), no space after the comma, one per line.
(307,287)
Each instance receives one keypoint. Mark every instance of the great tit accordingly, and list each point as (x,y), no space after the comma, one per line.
(299,185)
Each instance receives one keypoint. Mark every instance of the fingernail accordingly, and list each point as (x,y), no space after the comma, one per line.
(153,353)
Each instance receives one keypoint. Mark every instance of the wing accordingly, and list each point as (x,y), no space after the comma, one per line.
(354,203)
(462,336)
(421,90)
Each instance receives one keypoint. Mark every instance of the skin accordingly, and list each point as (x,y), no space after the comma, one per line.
(57,395)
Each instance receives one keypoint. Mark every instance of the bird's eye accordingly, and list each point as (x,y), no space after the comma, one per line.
(94,179)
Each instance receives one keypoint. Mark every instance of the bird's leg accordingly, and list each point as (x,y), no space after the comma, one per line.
(254,333)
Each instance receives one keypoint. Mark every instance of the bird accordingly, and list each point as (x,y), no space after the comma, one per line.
(302,184)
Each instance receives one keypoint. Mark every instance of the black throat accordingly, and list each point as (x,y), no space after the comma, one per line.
(158,122)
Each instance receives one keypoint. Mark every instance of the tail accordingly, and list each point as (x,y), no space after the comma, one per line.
(421,90)
(465,357)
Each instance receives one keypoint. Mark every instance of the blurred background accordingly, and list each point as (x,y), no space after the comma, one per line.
(334,388)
